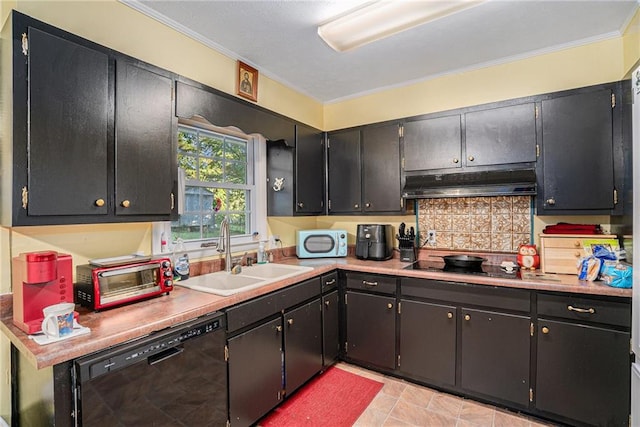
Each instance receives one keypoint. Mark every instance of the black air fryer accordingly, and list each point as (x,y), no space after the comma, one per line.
(374,242)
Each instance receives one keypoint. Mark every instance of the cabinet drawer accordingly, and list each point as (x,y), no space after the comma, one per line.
(468,294)
(249,312)
(329,281)
(582,308)
(560,253)
(372,282)
(561,261)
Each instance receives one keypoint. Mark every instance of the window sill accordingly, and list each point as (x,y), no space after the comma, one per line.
(196,253)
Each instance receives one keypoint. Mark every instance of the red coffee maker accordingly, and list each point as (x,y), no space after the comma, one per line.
(39,279)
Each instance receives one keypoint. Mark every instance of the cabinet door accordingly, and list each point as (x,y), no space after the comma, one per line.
(255,373)
(371,329)
(69,115)
(345,193)
(330,327)
(495,355)
(381,169)
(309,171)
(583,373)
(577,153)
(145,154)
(302,344)
(501,135)
(428,342)
(432,144)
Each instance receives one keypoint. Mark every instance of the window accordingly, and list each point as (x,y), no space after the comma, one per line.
(221,170)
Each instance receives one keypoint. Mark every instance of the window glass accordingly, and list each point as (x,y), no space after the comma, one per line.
(219,182)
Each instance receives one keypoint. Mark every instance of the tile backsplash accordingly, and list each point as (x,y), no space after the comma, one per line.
(492,224)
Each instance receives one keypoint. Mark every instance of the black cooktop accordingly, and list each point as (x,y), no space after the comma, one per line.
(484,270)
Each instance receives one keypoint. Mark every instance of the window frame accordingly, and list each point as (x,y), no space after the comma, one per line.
(258,199)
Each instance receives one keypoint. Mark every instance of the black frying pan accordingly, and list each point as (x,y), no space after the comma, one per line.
(463,261)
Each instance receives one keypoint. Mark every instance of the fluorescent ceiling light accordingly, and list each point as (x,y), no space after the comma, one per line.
(384,18)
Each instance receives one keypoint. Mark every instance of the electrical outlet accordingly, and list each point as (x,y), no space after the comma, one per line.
(431,237)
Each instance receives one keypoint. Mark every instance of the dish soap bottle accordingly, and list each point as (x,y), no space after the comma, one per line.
(262,255)
(180,261)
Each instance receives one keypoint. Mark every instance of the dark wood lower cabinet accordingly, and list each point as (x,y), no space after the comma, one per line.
(583,373)
(371,329)
(428,342)
(255,372)
(302,344)
(330,327)
(495,355)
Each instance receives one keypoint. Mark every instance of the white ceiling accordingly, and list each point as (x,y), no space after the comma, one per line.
(279,38)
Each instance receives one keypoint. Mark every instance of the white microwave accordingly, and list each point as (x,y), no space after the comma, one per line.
(321,243)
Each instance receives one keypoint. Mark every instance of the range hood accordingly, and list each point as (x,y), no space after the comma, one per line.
(516,182)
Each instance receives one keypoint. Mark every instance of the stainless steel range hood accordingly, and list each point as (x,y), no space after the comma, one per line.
(471,184)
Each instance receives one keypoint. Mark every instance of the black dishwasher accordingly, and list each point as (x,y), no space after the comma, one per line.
(176,377)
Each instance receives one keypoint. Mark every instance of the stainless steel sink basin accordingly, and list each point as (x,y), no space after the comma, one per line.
(225,284)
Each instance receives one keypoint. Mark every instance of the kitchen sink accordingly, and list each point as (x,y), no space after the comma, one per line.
(224,283)
(273,271)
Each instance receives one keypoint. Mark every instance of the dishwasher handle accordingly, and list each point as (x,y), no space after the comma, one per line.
(167,354)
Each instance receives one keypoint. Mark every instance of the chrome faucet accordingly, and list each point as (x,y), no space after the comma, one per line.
(225,245)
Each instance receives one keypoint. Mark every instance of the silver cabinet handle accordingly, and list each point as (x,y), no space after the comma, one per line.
(367,205)
(389,306)
(551,201)
(471,158)
(364,282)
(330,282)
(290,321)
(589,310)
(456,160)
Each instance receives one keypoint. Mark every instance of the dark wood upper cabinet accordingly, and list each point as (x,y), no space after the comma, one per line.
(93,132)
(344,172)
(501,136)
(577,172)
(145,157)
(381,169)
(434,143)
(364,170)
(489,136)
(309,169)
(300,167)
(68,129)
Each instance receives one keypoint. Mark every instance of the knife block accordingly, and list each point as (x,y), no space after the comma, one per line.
(408,254)
(407,249)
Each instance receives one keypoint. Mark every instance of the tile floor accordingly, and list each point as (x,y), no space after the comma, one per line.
(400,403)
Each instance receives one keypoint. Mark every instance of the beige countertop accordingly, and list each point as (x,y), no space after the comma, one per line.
(118,325)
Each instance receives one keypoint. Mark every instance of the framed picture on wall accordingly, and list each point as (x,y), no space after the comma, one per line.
(247,81)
